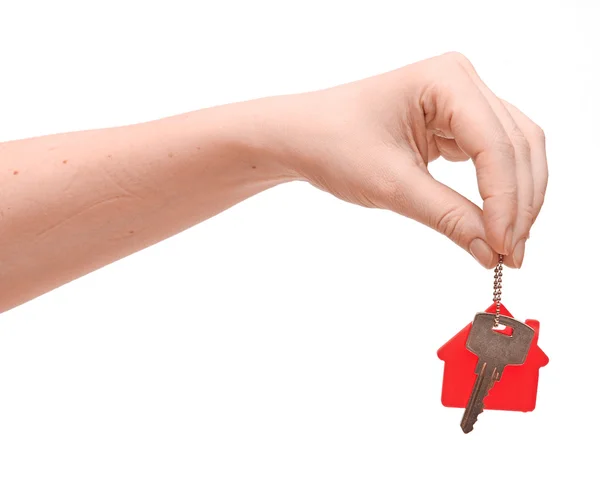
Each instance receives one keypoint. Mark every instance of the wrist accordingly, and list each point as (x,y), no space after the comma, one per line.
(253,136)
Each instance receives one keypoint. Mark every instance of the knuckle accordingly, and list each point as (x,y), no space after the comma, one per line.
(538,207)
(451,223)
(458,60)
(457,57)
(539,133)
(539,199)
(521,142)
(504,146)
(504,197)
(511,195)
(529,213)
(391,193)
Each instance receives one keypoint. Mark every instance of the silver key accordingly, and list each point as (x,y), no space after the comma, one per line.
(495,351)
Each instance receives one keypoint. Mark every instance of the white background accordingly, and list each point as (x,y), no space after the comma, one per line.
(289,344)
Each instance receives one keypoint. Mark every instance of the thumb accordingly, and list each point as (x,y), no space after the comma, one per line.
(432,203)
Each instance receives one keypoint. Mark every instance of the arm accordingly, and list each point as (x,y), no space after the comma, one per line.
(71,203)
(74,202)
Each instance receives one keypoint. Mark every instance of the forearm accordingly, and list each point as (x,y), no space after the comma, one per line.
(71,203)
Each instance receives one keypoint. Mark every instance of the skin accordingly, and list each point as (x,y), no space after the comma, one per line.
(72,203)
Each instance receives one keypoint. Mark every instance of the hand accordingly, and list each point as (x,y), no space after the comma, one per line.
(369,143)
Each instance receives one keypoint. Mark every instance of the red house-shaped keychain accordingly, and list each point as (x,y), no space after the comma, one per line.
(516,391)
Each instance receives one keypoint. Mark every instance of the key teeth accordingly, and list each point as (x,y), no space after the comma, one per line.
(470,419)
(468,427)
(474,409)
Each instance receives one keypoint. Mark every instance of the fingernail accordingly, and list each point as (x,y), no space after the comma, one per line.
(519,253)
(482,252)
(508,240)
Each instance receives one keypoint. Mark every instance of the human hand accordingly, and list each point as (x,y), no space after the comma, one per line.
(369,143)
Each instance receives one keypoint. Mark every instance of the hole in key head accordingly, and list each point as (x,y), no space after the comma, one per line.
(507,331)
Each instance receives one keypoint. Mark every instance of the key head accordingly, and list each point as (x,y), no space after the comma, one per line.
(493,346)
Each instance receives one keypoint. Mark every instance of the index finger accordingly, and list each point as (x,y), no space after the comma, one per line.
(462,112)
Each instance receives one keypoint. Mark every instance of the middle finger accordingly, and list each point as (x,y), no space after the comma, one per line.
(525,193)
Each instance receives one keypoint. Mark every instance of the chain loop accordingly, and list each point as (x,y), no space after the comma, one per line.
(498,289)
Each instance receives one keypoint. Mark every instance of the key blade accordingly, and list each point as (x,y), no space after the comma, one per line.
(474,407)
(486,378)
